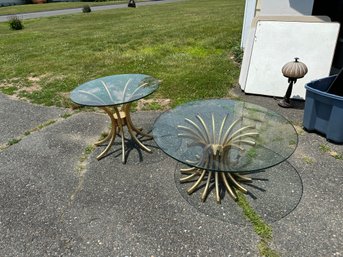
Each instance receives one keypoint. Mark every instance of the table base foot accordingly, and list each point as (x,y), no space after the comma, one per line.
(230,181)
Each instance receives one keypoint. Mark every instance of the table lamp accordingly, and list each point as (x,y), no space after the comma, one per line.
(292,70)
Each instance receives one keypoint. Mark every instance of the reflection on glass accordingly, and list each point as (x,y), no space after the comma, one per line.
(221,139)
(114,90)
(217,144)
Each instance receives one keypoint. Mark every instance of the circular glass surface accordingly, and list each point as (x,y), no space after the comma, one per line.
(114,90)
(225,135)
(273,194)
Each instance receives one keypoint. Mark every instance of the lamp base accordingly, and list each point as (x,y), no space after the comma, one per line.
(283,103)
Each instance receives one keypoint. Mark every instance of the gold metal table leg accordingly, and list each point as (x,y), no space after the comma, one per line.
(108,136)
(119,119)
(121,122)
(111,136)
(126,109)
(229,180)
(131,128)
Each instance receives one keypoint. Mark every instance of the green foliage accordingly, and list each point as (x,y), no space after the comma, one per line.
(338,156)
(261,228)
(188,50)
(292,142)
(66,115)
(86,9)
(89,149)
(15,23)
(45,124)
(265,250)
(153,106)
(251,153)
(8,90)
(14,141)
(324,148)
(103,135)
(308,160)
(237,54)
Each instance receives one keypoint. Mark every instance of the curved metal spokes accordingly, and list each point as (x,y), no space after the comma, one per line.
(201,132)
(92,95)
(221,129)
(228,131)
(107,90)
(105,139)
(125,89)
(111,136)
(221,179)
(208,182)
(119,119)
(215,154)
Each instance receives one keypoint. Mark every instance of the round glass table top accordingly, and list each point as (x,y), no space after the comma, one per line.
(114,90)
(225,135)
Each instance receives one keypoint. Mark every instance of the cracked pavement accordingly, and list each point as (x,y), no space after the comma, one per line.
(48,209)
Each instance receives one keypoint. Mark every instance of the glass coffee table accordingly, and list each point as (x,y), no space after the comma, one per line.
(114,94)
(221,141)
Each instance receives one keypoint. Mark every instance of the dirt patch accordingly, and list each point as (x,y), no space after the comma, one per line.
(33,79)
(34,84)
(13,82)
(6,84)
(30,86)
(33,88)
(153,104)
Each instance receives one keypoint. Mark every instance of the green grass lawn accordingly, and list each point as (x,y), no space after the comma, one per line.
(17,9)
(188,45)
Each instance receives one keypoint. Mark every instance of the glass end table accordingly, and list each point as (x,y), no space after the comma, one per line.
(114,94)
(221,141)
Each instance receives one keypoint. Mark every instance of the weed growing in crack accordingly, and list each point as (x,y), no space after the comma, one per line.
(14,141)
(45,124)
(308,160)
(66,115)
(261,228)
(324,148)
(88,150)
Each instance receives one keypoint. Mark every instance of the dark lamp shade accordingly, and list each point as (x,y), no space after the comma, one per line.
(294,70)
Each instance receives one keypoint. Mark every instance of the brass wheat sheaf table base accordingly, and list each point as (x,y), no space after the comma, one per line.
(221,141)
(230,181)
(120,119)
(114,94)
(216,146)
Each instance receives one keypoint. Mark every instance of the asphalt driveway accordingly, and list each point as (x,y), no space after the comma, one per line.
(56,200)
